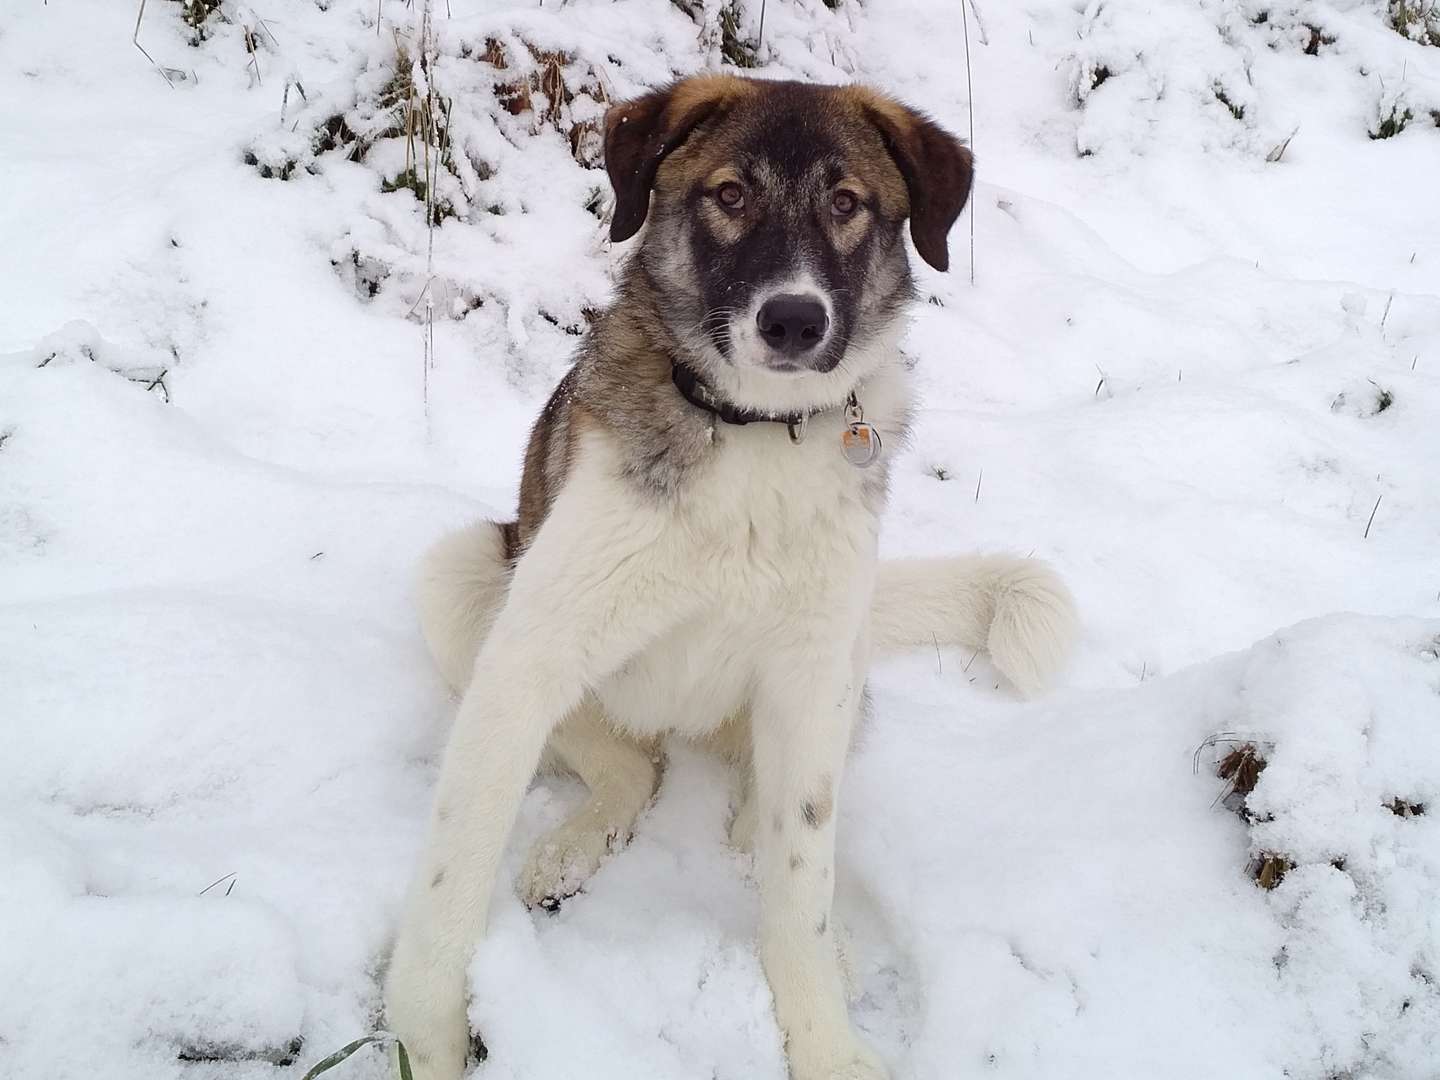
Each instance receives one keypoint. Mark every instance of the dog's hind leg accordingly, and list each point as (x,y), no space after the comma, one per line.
(460,589)
(621,773)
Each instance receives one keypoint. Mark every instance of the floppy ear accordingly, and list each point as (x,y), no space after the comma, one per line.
(640,134)
(937,169)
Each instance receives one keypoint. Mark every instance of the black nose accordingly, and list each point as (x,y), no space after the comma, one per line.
(793,324)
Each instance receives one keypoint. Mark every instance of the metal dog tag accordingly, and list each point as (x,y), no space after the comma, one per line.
(859,442)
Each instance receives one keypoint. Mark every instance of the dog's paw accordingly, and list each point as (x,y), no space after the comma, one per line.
(856,1062)
(564,859)
(427,1016)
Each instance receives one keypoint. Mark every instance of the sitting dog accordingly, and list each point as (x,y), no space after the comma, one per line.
(695,550)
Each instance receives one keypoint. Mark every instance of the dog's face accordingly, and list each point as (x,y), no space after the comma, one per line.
(776,213)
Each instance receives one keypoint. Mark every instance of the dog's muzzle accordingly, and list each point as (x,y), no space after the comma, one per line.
(793,326)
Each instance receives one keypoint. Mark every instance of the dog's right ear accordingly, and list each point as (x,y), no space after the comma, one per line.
(640,134)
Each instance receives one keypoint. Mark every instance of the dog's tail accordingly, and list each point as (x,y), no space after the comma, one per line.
(1017,610)
(460,589)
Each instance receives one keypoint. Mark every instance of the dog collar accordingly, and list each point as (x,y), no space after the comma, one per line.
(859,442)
(702,397)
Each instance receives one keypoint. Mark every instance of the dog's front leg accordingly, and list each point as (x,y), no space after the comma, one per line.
(597,584)
(804,709)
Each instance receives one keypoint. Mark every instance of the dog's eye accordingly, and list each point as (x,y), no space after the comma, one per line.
(844,203)
(730,195)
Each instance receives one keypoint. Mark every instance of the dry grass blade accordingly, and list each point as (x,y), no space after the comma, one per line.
(1269,869)
(1278,152)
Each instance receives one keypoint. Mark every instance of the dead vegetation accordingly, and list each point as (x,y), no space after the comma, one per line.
(1269,869)
(547,87)
(196,15)
(1405,808)
(1418,20)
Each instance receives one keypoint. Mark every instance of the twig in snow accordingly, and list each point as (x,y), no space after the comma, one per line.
(168,74)
(230,877)
(1372,515)
(1386,315)
(250,47)
(1209,741)
(978,480)
(939,664)
(980,22)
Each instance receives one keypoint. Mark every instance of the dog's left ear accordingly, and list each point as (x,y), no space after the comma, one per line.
(640,134)
(937,169)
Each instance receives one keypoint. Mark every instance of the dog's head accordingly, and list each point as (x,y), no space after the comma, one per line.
(776,214)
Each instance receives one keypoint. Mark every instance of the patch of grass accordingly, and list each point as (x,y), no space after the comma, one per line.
(735,50)
(1317,39)
(270,172)
(1237,111)
(411,180)
(595,202)
(196,15)
(695,9)
(1393,124)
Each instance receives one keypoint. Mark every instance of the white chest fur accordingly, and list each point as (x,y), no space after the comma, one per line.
(773,533)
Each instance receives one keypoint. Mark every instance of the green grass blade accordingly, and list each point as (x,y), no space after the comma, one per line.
(344,1052)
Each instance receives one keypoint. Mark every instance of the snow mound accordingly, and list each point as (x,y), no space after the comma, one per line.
(1351,709)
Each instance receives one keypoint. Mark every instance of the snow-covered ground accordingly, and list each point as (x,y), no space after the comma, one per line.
(1205,384)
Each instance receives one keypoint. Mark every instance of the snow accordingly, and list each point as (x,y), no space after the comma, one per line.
(1204,384)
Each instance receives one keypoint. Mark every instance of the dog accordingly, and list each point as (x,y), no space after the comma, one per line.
(696,546)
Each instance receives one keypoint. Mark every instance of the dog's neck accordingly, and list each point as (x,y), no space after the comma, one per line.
(694,390)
